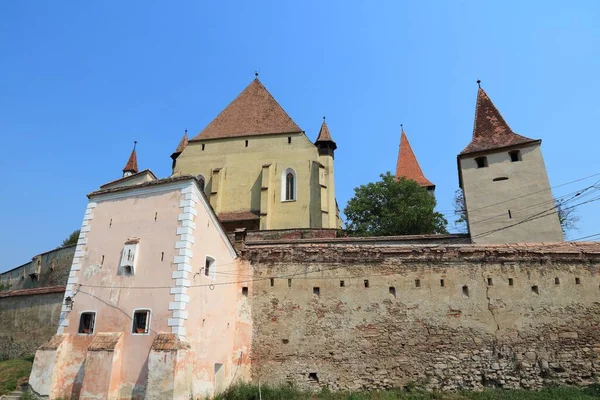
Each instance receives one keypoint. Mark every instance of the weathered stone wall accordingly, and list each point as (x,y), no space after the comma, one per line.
(47,269)
(28,318)
(446,317)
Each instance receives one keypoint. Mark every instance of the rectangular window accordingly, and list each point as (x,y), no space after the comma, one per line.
(515,156)
(481,162)
(87,322)
(417,283)
(129,257)
(210,267)
(141,322)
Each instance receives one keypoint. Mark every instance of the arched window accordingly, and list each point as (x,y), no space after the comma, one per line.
(201,181)
(288,185)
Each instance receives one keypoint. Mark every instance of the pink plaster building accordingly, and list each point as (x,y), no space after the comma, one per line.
(156,302)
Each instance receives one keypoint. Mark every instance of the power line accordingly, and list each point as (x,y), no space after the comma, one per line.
(585,237)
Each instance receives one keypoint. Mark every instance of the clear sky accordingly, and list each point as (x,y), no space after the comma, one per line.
(79,81)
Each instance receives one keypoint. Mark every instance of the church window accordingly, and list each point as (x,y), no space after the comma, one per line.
(210,266)
(515,156)
(86,322)
(141,322)
(288,183)
(481,162)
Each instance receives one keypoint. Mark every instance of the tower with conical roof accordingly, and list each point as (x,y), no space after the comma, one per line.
(260,169)
(507,193)
(131,167)
(407,165)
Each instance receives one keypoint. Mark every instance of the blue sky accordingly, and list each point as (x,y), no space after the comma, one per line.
(79,81)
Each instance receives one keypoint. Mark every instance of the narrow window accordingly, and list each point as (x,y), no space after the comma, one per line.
(393,291)
(577,281)
(535,289)
(127,270)
(289,186)
(245,291)
(556,281)
(201,181)
(509,215)
(490,282)
(465,290)
(272,280)
(289,139)
(141,322)
(162,256)
(481,162)
(316,291)
(342,283)
(246,143)
(110,223)
(203,146)
(500,178)
(510,281)
(87,322)
(515,156)
(441,282)
(366,283)
(155,216)
(417,283)
(102,261)
(289,283)
(209,267)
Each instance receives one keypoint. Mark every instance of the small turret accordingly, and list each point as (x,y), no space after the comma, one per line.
(408,166)
(324,142)
(180,147)
(131,167)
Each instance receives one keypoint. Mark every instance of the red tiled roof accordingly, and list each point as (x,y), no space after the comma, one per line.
(131,163)
(324,135)
(253,112)
(408,166)
(490,131)
(182,144)
(34,291)
(238,216)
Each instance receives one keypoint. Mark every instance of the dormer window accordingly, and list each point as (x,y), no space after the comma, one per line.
(129,257)
(515,156)
(481,162)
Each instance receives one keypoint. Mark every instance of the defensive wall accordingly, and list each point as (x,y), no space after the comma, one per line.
(375,313)
(30,301)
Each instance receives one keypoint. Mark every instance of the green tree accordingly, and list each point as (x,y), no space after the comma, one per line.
(460,223)
(393,207)
(71,240)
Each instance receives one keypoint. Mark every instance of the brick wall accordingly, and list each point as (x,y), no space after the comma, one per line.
(445,317)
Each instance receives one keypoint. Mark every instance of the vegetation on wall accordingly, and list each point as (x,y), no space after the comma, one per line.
(393,206)
(71,239)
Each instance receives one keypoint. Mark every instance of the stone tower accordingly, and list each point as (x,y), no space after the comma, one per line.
(408,166)
(326,148)
(507,194)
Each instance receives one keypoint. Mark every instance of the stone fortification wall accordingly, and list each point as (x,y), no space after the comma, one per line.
(47,269)
(353,316)
(28,318)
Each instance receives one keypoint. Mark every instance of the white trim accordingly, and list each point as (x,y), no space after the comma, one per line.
(284,174)
(165,187)
(148,323)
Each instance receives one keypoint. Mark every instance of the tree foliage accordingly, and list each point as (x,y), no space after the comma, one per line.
(459,211)
(393,207)
(72,239)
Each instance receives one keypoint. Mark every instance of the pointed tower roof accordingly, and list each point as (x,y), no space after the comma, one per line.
(490,131)
(131,165)
(253,112)
(182,145)
(408,166)
(324,135)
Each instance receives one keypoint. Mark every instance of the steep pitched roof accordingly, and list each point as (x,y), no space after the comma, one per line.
(324,135)
(131,165)
(490,131)
(408,166)
(253,112)
(182,145)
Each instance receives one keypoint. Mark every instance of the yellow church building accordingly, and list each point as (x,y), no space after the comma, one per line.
(258,168)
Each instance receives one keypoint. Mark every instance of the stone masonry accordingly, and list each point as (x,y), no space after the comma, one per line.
(349,315)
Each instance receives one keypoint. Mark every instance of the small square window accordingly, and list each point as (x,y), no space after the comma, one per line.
(342,283)
(245,291)
(417,283)
(481,162)
(87,322)
(557,281)
(515,156)
(141,322)
(392,291)
(316,291)
(490,282)
(442,283)
(577,281)
(510,282)
(366,283)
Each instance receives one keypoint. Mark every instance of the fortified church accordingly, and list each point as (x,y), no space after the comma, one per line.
(230,270)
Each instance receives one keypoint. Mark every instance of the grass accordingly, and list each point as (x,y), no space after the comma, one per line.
(13,373)
(250,392)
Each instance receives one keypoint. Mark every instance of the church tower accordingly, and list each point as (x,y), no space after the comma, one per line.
(131,167)
(507,194)
(326,147)
(408,166)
